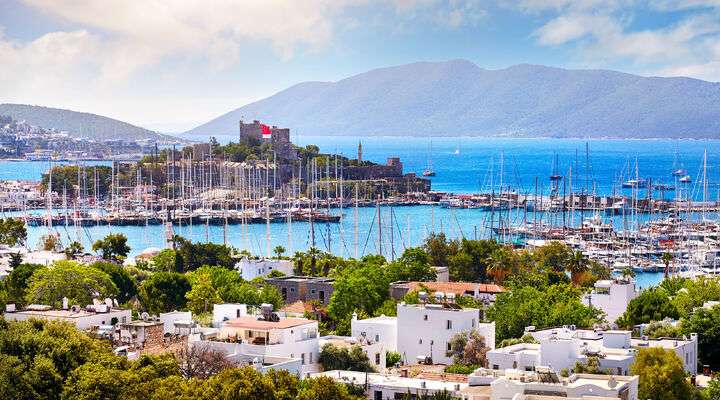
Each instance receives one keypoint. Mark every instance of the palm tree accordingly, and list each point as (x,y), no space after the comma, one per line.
(577,266)
(279,250)
(500,264)
(666,258)
(313,253)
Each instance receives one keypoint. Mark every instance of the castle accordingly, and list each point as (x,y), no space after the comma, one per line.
(278,137)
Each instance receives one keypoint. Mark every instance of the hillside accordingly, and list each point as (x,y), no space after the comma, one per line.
(80,124)
(459,98)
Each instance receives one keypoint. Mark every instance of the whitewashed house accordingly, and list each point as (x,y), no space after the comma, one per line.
(612,297)
(425,330)
(269,335)
(261,268)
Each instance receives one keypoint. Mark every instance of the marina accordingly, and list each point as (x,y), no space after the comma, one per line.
(622,228)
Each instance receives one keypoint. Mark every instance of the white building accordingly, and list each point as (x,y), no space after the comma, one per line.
(251,269)
(383,386)
(561,348)
(611,297)
(288,338)
(227,311)
(425,330)
(83,318)
(507,384)
(375,351)
(381,329)
(177,322)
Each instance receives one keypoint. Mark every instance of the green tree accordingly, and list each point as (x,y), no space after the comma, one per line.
(12,232)
(439,249)
(712,392)
(202,295)
(164,292)
(323,388)
(164,261)
(552,256)
(706,323)
(651,305)
(661,373)
(112,247)
(578,266)
(195,255)
(65,178)
(695,293)
(413,265)
(17,281)
(279,251)
(73,250)
(79,283)
(392,358)
(361,287)
(555,305)
(127,288)
(344,358)
(470,262)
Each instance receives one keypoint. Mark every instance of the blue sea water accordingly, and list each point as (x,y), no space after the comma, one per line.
(481,161)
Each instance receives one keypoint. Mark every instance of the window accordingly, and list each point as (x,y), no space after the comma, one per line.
(449,324)
(312,291)
(514,364)
(473,322)
(528,368)
(284,293)
(425,317)
(311,357)
(322,296)
(449,346)
(377,395)
(292,290)
(495,366)
(377,338)
(250,334)
(302,358)
(420,341)
(377,358)
(619,371)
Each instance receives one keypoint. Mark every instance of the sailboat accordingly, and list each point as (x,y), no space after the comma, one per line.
(429,169)
(457,149)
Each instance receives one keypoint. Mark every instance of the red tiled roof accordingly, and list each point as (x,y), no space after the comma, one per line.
(459,288)
(297,307)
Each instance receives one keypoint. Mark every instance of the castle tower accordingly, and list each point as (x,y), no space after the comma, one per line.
(359,157)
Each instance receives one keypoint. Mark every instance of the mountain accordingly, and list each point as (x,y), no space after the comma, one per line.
(80,124)
(457,97)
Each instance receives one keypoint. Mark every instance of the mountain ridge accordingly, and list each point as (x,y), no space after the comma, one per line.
(459,98)
(80,124)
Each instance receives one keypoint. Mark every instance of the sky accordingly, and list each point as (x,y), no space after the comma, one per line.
(171,65)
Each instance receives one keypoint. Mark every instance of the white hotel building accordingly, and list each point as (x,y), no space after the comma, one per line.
(561,348)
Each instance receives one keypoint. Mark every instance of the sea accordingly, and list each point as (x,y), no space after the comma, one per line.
(462,165)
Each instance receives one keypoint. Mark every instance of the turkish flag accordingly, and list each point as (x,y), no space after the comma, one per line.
(265,131)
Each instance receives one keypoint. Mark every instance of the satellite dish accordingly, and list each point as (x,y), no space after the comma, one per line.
(145,316)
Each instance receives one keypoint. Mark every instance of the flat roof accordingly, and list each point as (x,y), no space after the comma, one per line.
(64,313)
(251,322)
(383,319)
(394,381)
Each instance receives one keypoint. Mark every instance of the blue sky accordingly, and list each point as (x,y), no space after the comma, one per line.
(173,64)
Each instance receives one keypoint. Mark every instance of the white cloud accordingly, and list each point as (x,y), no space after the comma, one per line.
(605,33)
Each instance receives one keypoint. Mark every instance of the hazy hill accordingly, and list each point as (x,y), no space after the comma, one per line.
(78,123)
(459,98)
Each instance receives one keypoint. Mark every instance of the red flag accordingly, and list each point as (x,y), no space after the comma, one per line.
(265,131)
